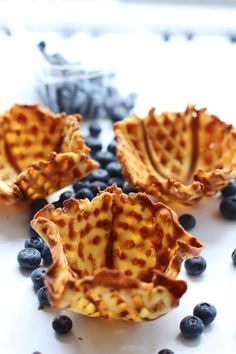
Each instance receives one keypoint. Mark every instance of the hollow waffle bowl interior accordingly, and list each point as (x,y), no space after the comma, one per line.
(116,256)
(40,152)
(179,157)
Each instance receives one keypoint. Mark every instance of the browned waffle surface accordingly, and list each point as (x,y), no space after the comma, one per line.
(40,152)
(179,156)
(117,256)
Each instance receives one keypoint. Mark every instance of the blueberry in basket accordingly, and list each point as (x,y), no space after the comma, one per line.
(228,207)
(195,265)
(191,327)
(62,324)
(29,258)
(206,312)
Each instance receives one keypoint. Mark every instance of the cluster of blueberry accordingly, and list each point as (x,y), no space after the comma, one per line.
(76,90)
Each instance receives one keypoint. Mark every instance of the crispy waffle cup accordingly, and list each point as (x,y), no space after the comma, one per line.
(115,257)
(178,157)
(40,152)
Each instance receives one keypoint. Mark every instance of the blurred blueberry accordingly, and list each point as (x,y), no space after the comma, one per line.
(118,181)
(84,193)
(104,157)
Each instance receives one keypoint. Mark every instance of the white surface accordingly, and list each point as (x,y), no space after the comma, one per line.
(166,75)
(24,328)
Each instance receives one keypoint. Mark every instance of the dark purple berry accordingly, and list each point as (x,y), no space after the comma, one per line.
(46,255)
(166,351)
(35,206)
(191,327)
(94,144)
(95,129)
(228,207)
(195,265)
(233,256)
(84,193)
(37,277)
(206,312)
(187,221)
(34,242)
(29,258)
(80,184)
(118,181)
(43,297)
(104,157)
(65,195)
(112,147)
(99,175)
(95,185)
(229,190)
(62,324)
(114,169)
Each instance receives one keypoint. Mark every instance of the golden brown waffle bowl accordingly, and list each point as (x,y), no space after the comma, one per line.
(115,257)
(40,152)
(179,157)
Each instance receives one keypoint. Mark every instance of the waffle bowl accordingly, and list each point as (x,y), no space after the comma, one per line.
(116,257)
(40,152)
(180,157)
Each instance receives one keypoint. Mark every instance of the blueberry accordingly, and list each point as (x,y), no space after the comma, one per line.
(99,175)
(229,190)
(114,169)
(95,185)
(35,206)
(166,351)
(95,129)
(94,144)
(206,312)
(37,277)
(33,233)
(65,195)
(112,147)
(187,221)
(228,207)
(46,255)
(58,204)
(84,193)
(43,297)
(191,327)
(34,242)
(80,184)
(233,256)
(104,157)
(119,112)
(29,258)
(62,324)
(195,265)
(127,188)
(118,181)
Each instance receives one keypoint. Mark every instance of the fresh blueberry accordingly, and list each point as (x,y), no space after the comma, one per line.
(112,147)
(195,265)
(62,324)
(188,221)
(34,242)
(84,193)
(206,312)
(114,169)
(35,206)
(127,188)
(95,185)
(46,255)
(37,277)
(104,157)
(119,112)
(65,195)
(29,258)
(43,297)
(33,233)
(58,204)
(233,256)
(99,175)
(94,144)
(80,184)
(191,327)
(118,181)
(228,207)
(95,129)
(229,190)
(166,351)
